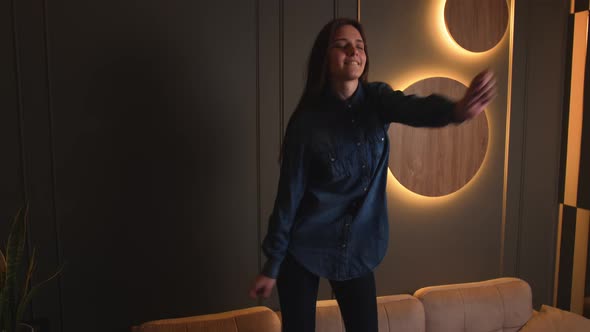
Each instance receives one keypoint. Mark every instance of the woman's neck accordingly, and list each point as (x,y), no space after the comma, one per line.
(344,89)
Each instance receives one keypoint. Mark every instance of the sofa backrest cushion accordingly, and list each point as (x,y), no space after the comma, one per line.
(255,319)
(502,305)
(403,313)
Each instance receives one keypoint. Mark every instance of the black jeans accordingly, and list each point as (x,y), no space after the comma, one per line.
(298,290)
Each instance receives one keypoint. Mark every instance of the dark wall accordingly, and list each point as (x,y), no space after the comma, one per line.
(145,137)
(154,113)
(11,190)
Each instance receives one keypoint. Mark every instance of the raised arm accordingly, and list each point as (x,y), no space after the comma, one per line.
(434,110)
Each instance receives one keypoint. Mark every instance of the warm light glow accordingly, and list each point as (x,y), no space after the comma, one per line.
(580,261)
(463,66)
(446,40)
(410,197)
(507,141)
(557,255)
(574,134)
(404,82)
(417,201)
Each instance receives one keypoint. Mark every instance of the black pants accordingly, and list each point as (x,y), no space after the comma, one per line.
(298,290)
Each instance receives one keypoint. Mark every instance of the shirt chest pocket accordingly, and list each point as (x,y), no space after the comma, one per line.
(332,162)
(377,138)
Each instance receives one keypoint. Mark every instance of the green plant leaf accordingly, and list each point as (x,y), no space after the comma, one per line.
(15,250)
(16,295)
(26,299)
(14,253)
(32,266)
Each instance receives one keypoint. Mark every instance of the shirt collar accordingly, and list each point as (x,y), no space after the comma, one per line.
(356,99)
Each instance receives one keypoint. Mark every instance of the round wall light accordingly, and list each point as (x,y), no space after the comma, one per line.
(438,161)
(476,25)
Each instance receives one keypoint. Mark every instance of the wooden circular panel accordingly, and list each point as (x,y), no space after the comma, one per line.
(476,25)
(438,161)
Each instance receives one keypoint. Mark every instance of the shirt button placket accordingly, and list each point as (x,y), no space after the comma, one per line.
(343,246)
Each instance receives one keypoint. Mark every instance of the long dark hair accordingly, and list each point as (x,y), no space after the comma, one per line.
(317,76)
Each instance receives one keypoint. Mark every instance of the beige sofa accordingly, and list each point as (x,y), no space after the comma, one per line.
(498,305)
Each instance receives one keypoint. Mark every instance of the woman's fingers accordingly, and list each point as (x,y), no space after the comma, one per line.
(488,86)
(252,293)
(483,85)
(481,80)
(488,96)
(262,287)
(483,91)
(479,94)
(266,291)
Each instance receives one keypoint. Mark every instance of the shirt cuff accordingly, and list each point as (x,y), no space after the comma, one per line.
(453,116)
(271,268)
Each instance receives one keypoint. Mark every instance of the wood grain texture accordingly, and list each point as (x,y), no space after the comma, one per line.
(438,161)
(476,25)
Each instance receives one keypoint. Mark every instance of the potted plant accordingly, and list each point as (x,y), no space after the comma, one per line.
(15,277)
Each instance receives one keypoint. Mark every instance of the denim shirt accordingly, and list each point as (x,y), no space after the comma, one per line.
(330,211)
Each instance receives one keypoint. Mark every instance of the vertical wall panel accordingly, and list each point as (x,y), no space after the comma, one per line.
(11,190)
(574,161)
(515,137)
(576,100)
(537,99)
(566,261)
(270,28)
(580,260)
(38,158)
(155,147)
(584,176)
(347,8)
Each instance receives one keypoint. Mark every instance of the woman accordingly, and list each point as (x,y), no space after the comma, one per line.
(330,214)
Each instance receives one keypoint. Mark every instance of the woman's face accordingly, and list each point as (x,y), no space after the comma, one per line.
(346,54)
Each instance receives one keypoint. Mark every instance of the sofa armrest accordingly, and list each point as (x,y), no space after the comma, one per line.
(550,319)
(253,319)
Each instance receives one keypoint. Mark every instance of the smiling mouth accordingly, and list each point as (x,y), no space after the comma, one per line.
(352,63)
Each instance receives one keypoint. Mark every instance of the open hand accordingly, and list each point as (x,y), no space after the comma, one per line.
(263,286)
(479,94)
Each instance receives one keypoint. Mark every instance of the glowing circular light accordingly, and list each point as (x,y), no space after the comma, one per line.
(476,25)
(438,161)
